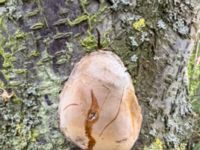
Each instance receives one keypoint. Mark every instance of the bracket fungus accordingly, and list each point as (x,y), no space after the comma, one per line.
(98,108)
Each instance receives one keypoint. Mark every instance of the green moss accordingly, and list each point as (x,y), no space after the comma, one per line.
(1,21)
(60,35)
(36,26)
(105,40)
(194,75)
(194,85)
(182,146)
(61,61)
(7,59)
(2,1)
(2,24)
(91,19)
(33,13)
(20,71)
(34,53)
(19,34)
(34,134)
(61,21)
(89,42)
(197,146)
(12,44)
(69,47)
(84,3)
(78,20)
(49,81)
(17,100)
(63,58)
(1,84)
(19,128)
(45,58)
(13,83)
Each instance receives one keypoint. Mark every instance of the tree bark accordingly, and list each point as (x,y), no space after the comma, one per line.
(40,41)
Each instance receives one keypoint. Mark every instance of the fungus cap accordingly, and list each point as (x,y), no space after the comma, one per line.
(98,108)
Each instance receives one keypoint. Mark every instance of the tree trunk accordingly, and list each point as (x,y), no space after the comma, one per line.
(41,40)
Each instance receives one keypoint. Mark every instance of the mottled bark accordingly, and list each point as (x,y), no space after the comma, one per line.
(41,40)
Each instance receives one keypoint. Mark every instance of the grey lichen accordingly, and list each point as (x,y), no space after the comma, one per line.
(161,24)
(133,42)
(119,4)
(134,58)
(181,27)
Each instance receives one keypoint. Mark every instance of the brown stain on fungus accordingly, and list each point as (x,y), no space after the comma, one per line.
(92,117)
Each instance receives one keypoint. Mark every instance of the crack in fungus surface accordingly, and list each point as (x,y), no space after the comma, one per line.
(122,140)
(73,104)
(92,117)
(118,110)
